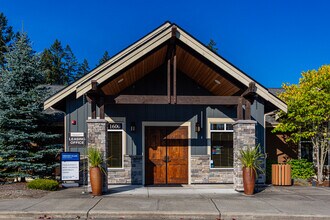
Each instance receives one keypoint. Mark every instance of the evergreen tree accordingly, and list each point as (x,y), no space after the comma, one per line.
(47,65)
(6,35)
(59,65)
(71,64)
(211,45)
(53,64)
(82,70)
(25,147)
(104,58)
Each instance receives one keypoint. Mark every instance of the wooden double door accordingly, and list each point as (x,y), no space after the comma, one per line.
(166,155)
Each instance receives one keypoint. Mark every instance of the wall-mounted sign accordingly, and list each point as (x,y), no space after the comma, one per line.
(115,126)
(77,139)
(70,166)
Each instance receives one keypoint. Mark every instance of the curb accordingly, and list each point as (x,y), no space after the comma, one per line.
(43,215)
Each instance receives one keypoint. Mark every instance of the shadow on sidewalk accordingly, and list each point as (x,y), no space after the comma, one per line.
(114,189)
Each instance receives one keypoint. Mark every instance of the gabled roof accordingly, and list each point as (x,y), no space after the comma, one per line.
(144,46)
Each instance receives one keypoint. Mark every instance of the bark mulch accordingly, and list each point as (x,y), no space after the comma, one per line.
(19,190)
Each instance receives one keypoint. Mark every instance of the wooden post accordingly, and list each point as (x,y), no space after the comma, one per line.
(247,110)
(102,114)
(240,109)
(93,105)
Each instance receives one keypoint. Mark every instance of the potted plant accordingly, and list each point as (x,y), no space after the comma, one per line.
(95,170)
(250,158)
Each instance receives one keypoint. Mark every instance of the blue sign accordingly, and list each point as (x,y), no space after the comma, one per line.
(70,156)
(70,166)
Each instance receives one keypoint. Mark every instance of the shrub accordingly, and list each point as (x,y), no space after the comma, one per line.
(301,169)
(43,184)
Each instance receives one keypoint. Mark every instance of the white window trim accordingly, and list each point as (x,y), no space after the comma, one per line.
(208,136)
(121,120)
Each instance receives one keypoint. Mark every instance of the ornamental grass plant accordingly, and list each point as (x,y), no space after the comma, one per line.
(94,157)
(251,158)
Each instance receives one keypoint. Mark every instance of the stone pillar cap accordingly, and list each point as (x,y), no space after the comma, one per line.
(96,120)
(245,122)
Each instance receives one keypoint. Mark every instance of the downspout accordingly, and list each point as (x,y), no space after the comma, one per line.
(265,115)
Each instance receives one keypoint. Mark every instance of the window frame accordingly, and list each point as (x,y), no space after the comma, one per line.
(121,120)
(208,136)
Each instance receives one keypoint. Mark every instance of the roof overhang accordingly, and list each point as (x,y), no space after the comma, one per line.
(144,46)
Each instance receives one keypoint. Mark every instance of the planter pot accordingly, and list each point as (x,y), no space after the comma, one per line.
(96,180)
(249,178)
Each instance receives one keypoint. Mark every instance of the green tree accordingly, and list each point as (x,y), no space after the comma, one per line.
(6,36)
(308,115)
(104,58)
(70,64)
(26,148)
(212,46)
(59,65)
(82,70)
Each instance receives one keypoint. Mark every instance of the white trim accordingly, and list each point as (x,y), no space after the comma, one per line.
(208,137)
(73,87)
(166,123)
(121,64)
(233,71)
(144,46)
(121,120)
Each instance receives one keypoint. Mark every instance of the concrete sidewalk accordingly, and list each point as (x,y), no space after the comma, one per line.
(186,202)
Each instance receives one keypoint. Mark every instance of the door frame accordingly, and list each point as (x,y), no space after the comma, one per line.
(165,124)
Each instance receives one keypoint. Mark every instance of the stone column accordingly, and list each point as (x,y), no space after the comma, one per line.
(244,135)
(98,137)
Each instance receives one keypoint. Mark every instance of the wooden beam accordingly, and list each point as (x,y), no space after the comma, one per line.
(168,81)
(94,85)
(181,100)
(141,99)
(174,79)
(250,92)
(240,109)
(174,30)
(207,100)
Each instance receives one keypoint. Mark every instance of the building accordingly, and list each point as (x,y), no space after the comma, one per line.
(167,110)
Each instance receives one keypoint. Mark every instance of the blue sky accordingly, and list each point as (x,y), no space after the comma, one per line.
(271,41)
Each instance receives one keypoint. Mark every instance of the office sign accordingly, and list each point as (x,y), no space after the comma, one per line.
(70,166)
(115,126)
(77,139)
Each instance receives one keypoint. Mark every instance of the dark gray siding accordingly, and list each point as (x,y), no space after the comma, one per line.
(78,110)
(155,84)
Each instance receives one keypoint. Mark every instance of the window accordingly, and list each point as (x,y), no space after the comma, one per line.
(221,145)
(306,150)
(115,149)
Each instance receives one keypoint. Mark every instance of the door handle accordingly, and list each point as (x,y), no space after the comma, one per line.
(166,159)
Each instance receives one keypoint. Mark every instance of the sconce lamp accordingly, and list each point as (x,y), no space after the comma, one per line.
(197,127)
(133,127)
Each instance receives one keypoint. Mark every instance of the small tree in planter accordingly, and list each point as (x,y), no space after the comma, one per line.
(251,161)
(95,170)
